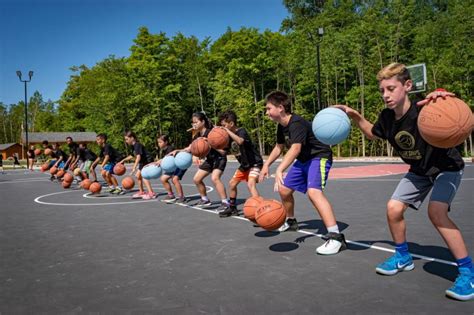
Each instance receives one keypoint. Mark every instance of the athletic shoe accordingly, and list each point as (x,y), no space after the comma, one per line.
(169,198)
(179,200)
(335,242)
(139,195)
(149,196)
(110,190)
(203,203)
(289,225)
(228,211)
(117,191)
(395,264)
(463,288)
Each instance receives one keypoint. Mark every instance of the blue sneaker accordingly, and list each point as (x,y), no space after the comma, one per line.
(463,288)
(395,264)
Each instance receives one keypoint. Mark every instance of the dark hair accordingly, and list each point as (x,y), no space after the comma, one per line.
(45,142)
(164,138)
(279,98)
(83,144)
(228,116)
(202,117)
(68,138)
(130,134)
(102,136)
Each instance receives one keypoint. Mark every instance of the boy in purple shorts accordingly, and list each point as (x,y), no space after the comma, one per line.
(307,175)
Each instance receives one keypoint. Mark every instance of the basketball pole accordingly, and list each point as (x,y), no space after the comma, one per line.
(30,74)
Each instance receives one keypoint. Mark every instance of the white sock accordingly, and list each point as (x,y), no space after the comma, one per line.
(333,229)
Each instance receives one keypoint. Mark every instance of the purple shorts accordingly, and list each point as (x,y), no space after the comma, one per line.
(311,174)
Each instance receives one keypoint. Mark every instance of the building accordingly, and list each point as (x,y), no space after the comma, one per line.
(8,149)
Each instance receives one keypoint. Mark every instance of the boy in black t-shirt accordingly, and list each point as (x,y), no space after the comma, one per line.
(308,174)
(250,160)
(86,159)
(109,157)
(72,160)
(142,158)
(439,170)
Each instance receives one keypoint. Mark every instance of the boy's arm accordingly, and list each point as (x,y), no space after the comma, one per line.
(289,157)
(234,137)
(128,158)
(364,125)
(271,158)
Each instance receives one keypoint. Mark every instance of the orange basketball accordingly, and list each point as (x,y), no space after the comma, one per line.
(47,151)
(251,206)
(218,138)
(66,184)
(44,167)
(68,177)
(119,169)
(270,215)
(53,170)
(86,183)
(445,123)
(60,173)
(128,183)
(95,188)
(37,151)
(200,147)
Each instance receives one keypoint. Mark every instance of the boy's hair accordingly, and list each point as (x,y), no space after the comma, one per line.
(228,116)
(102,136)
(45,142)
(130,134)
(164,138)
(69,138)
(202,117)
(394,69)
(278,98)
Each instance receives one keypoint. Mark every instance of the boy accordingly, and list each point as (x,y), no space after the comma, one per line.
(73,154)
(308,174)
(60,157)
(109,157)
(250,160)
(87,158)
(430,168)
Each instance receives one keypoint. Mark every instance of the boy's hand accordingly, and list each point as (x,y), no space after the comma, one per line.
(263,174)
(434,95)
(349,111)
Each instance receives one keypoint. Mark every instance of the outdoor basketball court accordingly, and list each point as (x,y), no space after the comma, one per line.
(64,251)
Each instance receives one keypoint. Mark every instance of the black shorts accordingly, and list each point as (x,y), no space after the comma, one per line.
(215,163)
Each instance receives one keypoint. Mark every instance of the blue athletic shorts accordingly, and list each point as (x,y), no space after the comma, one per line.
(311,174)
(109,167)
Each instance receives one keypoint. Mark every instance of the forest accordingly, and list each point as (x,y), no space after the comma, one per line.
(165,79)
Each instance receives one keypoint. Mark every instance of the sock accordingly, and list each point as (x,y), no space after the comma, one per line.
(204,198)
(233,201)
(402,248)
(333,229)
(465,262)
(171,194)
(225,201)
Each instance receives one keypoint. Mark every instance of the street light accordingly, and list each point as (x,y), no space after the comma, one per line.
(30,74)
(320,39)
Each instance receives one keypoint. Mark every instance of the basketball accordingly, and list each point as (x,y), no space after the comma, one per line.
(37,151)
(66,184)
(200,147)
(77,171)
(48,151)
(270,215)
(331,126)
(128,183)
(60,173)
(218,138)
(44,167)
(95,188)
(445,123)
(53,170)
(251,206)
(68,177)
(167,164)
(151,171)
(183,160)
(86,183)
(119,169)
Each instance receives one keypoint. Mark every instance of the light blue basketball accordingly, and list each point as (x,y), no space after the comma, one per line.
(167,164)
(151,171)
(183,160)
(331,126)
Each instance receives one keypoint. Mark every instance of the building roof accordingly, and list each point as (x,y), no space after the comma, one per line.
(4,146)
(38,137)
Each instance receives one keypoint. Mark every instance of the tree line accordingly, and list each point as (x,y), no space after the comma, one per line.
(165,79)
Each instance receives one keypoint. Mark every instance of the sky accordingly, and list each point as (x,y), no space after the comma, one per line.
(50,36)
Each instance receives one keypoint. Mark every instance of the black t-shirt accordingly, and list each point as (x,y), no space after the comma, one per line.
(246,153)
(166,150)
(213,154)
(86,155)
(107,149)
(139,149)
(60,153)
(404,136)
(73,149)
(299,130)
(31,154)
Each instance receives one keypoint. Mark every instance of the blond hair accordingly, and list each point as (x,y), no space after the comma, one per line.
(394,69)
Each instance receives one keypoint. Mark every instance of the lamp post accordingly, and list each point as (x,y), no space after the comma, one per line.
(30,74)
(320,39)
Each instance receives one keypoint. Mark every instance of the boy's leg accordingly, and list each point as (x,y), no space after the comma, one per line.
(322,206)
(198,181)
(179,187)
(253,180)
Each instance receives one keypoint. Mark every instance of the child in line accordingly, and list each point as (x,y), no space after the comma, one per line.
(31,158)
(60,157)
(109,157)
(309,172)
(142,158)
(166,148)
(246,153)
(439,170)
(86,159)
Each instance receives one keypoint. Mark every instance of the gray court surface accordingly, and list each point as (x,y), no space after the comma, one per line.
(63,251)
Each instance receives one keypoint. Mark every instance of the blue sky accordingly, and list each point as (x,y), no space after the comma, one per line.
(50,36)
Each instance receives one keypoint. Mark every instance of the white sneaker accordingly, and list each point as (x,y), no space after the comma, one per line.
(334,244)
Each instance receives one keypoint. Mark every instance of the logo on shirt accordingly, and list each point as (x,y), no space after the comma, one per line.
(405,140)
